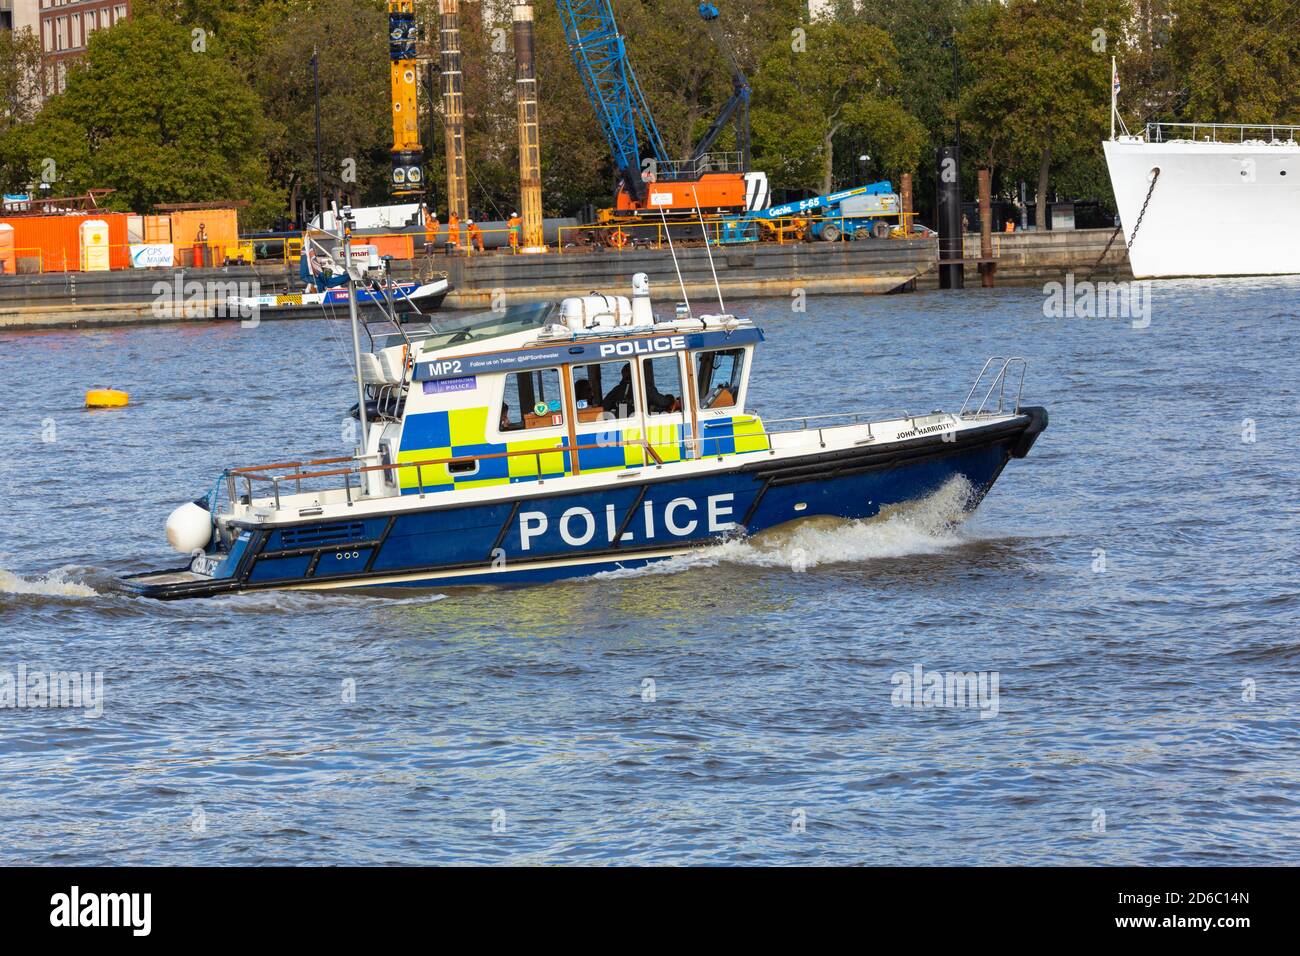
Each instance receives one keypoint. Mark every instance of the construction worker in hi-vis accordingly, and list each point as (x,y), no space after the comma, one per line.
(516,226)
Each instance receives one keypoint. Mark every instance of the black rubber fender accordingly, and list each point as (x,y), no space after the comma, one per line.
(1037,424)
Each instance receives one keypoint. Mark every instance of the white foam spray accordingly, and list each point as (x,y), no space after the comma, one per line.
(926,526)
(54,584)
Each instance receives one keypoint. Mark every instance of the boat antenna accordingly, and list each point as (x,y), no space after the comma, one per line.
(344,218)
(668,232)
(708,248)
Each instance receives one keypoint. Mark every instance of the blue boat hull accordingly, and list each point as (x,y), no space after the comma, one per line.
(573,534)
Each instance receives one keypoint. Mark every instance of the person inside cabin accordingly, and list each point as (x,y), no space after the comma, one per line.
(506,424)
(619,400)
(657,401)
(582,393)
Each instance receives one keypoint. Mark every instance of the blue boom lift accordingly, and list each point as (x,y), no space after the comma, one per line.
(850,214)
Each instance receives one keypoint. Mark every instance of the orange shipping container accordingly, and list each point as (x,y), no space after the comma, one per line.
(157,229)
(220,225)
(399,246)
(55,241)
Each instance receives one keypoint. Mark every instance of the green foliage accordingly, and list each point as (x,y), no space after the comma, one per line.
(576,166)
(212,99)
(1147,72)
(20,78)
(841,79)
(154,120)
(1038,86)
(243,26)
(1238,61)
(922,31)
(350,39)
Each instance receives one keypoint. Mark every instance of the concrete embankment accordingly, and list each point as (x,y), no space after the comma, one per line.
(758,269)
(75,299)
(1031,258)
(480,281)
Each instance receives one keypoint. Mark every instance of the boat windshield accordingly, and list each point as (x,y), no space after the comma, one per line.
(476,327)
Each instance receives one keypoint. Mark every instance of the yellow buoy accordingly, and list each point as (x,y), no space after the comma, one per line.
(106,398)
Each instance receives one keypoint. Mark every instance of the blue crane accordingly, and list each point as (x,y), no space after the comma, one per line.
(601,57)
(600,54)
(738,106)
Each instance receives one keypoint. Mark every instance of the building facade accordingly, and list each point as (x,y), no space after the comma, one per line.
(65,27)
(20,15)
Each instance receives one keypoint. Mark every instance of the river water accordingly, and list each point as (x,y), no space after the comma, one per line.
(1131,587)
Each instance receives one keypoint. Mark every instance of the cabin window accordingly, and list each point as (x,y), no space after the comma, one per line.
(663,384)
(532,400)
(604,390)
(718,377)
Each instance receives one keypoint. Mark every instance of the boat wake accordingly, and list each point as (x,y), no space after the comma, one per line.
(280,601)
(928,525)
(54,584)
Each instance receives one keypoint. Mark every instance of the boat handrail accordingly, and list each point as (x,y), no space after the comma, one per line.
(856,416)
(1158,132)
(999,383)
(354,468)
(355,465)
(261,472)
(279,466)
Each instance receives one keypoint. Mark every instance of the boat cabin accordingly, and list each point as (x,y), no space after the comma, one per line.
(539,391)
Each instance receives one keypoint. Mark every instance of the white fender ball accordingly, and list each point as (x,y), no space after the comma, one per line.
(189,528)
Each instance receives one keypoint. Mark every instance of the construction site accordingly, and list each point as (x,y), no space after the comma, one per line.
(700,224)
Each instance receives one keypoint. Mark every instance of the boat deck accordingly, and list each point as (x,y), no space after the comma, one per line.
(163,578)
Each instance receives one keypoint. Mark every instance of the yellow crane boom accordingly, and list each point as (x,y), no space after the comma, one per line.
(407,177)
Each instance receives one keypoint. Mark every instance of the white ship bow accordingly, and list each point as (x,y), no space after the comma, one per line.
(1226,201)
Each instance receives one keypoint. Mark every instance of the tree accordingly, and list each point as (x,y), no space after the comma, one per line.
(148,115)
(841,78)
(1247,74)
(1039,86)
(20,77)
(923,32)
(244,26)
(1148,74)
(576,166)
(350,39)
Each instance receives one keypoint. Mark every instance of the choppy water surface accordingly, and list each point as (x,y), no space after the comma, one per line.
(1124,692)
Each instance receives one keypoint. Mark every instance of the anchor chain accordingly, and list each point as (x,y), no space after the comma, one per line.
(1120,228)
(1138,225)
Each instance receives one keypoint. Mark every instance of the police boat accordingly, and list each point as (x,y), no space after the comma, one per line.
(326,288)
(550,441)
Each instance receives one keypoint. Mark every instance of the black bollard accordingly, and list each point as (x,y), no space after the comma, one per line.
(947,208)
